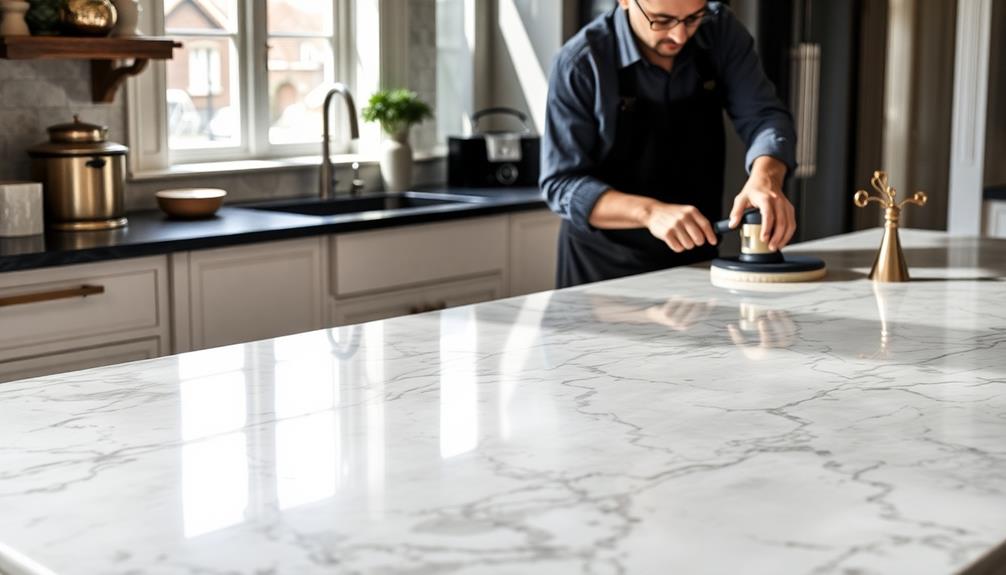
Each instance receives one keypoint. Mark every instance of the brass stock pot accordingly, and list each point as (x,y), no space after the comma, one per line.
(83,177)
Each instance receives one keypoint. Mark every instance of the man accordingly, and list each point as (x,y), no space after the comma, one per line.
(633,148)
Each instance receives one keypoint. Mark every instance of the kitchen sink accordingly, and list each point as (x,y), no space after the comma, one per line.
(364,203)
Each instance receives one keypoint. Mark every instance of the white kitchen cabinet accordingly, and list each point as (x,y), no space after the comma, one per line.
(95,314)
(81,315)
(393,258)
(389,272)
(995,218)
(72,360)
(533,251)
(417,300)
(249,292)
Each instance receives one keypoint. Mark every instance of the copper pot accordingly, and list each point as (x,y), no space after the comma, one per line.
(88,17)
(83,177)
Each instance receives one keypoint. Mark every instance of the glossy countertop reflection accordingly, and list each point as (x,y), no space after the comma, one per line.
(653,424)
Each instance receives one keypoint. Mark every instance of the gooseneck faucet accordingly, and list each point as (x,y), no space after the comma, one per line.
(327,188)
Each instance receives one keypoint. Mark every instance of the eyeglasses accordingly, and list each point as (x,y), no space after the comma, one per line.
(663,24)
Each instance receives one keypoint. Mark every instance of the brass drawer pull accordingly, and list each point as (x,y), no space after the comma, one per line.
(81,291)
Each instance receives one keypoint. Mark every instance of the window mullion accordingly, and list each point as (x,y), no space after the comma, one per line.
(258,79)
(146,104)
(343,42)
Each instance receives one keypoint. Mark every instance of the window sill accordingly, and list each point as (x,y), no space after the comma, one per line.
(244,167)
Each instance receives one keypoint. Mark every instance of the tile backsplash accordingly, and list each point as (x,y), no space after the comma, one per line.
(40,93)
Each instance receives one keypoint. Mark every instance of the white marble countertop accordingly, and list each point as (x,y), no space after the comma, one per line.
(654,424)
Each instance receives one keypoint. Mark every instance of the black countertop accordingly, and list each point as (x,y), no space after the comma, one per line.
(995,193)
(151,232)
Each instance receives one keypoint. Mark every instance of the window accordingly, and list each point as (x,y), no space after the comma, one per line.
(248,82)
(250,78)
(204,75)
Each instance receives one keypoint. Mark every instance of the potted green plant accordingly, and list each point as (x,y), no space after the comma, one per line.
(396,111)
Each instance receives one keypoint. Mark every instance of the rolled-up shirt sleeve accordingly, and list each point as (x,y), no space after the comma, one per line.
(570,142)
(759,117)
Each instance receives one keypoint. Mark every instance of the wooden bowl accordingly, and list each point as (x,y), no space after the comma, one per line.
(190,203)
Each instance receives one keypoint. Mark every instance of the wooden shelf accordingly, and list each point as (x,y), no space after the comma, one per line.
(102,52)
(77,48)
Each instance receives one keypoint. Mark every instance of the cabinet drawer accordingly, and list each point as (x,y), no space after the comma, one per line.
(73,360)
(417,300)
(132,302)
(391,258)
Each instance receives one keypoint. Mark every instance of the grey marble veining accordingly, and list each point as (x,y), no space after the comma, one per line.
(654,424)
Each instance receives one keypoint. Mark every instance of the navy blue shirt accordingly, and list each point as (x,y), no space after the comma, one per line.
(583,101)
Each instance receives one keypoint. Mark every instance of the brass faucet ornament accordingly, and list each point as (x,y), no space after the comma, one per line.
(889,265)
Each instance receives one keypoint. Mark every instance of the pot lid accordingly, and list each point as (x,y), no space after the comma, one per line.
(60,150)
(77,131)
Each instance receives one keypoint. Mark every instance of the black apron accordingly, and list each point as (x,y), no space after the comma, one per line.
(673,152)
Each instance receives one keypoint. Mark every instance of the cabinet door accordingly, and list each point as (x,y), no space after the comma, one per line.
(52,310)
(246,293)
(533,250)
(79,359)
(417,300)
(995,218)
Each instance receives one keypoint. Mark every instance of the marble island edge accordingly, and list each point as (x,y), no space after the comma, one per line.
(650,424)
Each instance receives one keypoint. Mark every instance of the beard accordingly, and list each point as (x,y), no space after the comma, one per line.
(667,48)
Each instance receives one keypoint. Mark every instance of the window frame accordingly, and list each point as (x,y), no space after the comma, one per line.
(147,99)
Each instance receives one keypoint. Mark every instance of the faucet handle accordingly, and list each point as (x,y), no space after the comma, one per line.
(357,185)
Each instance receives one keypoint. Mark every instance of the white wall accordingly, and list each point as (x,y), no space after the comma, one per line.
(529,32)
(967,153)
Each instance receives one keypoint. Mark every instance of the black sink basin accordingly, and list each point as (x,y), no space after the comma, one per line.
(365,203)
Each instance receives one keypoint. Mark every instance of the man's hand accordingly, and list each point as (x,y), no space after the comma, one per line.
(681,227)
(763,190)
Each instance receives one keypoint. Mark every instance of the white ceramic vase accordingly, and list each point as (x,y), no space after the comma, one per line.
(396,162)
(12,23)
(129,17)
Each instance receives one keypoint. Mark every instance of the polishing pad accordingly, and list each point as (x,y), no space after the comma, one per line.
(791,269)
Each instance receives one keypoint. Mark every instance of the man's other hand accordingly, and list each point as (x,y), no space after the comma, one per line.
(763,190)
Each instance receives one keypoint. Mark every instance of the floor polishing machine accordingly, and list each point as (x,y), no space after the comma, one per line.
(759,264)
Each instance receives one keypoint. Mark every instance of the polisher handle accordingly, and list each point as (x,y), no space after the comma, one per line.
(751,216)
(721,227)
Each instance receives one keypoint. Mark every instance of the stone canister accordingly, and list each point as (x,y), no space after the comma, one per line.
(12,22)
(88,17)
(128,12)
(20,209)
(43,16)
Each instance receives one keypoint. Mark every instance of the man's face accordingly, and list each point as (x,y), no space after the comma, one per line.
(673,23)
